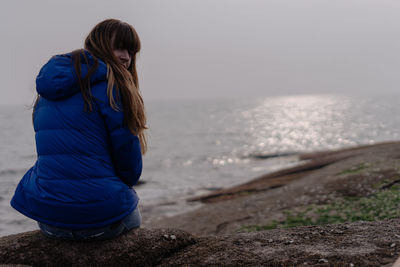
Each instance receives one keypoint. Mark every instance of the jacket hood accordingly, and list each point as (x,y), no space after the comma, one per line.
(57,79)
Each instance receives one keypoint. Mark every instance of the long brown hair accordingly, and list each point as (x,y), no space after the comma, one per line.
(124,80)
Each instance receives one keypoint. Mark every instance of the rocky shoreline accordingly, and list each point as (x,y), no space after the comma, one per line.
(322,178)
(336,208)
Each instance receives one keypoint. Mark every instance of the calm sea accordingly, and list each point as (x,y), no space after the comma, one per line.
(197,146)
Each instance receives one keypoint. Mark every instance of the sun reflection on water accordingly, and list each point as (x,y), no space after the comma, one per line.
(297,123)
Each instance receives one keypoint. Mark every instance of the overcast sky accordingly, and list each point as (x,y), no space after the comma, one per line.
(217,48)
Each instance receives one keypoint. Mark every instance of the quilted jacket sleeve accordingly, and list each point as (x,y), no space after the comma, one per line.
(125,146)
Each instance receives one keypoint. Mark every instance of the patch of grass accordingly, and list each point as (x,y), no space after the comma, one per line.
(356,169)
(382,183)
(384,204)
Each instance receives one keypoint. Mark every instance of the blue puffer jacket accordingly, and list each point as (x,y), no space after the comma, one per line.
(87,162)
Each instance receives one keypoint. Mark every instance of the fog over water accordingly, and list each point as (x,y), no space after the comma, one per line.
(214,49)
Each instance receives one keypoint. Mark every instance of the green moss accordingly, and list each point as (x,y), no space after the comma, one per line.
(356,169)
(382,205)
(385,182)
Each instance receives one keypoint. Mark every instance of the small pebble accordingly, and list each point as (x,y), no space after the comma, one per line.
(323,261)
(393,245)
(173,237)
(351,265)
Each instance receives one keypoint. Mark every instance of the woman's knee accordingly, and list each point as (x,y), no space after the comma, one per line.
(133,220)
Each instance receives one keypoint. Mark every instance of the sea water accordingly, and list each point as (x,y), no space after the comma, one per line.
(197,146)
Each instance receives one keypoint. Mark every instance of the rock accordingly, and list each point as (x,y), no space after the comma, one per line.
(140,247)
(363,244)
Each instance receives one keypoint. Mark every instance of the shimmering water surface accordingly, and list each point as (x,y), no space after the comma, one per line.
(197,146)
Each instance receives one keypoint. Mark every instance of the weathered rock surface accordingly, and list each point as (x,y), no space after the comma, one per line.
(360,244)
(140,247)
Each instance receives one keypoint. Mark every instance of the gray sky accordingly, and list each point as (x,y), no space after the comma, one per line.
(217,48)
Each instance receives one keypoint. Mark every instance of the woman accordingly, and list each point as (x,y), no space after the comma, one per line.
(89,123)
